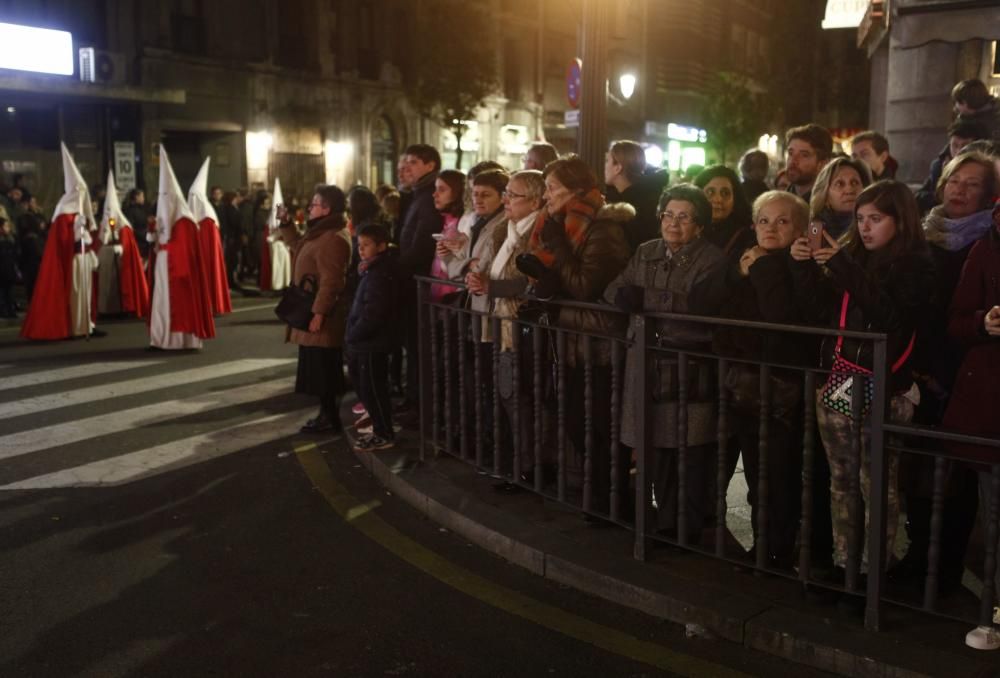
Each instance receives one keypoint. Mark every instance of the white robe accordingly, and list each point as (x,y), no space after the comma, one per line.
(160,335)
(80,293)
(281,265)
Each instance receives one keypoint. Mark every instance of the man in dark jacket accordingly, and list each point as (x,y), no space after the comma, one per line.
(627,181)
(137,212)
(416,245)
(231,225)
(371,332)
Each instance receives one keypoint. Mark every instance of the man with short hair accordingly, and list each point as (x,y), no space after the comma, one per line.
(419,169)
(539,155)
(872,148)
(960,134)
(973,103)
(754,166)
(807,150)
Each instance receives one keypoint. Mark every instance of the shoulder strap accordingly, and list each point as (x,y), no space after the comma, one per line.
(843,322)
(840,338)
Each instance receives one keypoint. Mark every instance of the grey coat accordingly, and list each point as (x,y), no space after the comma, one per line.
(667,279)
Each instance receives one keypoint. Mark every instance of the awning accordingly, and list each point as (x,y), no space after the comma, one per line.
(914,28)
(60,87)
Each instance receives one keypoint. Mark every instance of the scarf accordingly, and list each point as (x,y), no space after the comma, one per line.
(515,231)
(836,223)
(955,235)
(576,217)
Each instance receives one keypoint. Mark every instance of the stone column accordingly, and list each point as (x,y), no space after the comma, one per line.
(591,140)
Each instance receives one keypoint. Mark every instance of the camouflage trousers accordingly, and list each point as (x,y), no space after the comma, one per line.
(835,430)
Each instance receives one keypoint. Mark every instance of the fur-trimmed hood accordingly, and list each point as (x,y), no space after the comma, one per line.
(621,212)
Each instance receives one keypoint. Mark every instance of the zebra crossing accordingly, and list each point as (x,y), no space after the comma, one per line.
(236,405)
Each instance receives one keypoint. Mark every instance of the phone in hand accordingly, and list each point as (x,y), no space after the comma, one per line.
(815,234)
(438,236)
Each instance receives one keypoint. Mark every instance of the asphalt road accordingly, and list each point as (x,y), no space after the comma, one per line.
(160,516)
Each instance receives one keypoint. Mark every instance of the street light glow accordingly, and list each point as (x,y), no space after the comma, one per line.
(39,50)
(626,85)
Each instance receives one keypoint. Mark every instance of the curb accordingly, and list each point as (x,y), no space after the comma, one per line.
(799,638)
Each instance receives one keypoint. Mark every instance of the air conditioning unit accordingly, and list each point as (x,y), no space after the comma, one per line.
(99,66)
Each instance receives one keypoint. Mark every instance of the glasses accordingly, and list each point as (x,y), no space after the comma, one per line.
(681,218)
(511,195)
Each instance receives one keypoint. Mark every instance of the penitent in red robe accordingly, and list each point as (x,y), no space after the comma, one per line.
(132,279)
(215,266)
(49,313)
(190,301)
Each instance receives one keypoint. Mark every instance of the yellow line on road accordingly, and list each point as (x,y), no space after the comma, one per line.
(574,626)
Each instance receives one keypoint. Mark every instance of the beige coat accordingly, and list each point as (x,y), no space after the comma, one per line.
(324,252)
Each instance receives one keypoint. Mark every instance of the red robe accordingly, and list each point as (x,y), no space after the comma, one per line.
(132,277)
(264,277)
(215,266)
(49,313)
(190,300)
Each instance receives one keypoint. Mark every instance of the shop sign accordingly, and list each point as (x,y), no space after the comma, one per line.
(684,133)
(38,50)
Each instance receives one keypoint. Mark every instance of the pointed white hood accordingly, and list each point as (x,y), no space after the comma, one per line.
(276,201)
(198,200)
(170,203)
(76,198)
(112,210)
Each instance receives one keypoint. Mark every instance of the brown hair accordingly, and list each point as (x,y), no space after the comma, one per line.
(631,157)
(814,135)
(572,172)
(495,178)
(972,93)
(879,143)
(455,180)
(895,199)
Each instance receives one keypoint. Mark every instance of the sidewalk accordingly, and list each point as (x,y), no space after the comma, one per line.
(765,613)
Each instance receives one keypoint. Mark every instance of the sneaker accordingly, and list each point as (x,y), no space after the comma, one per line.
(365,430)
(359,409)
(317,425)
(372,442)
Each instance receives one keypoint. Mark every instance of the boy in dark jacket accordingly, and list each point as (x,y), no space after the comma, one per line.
(372,332)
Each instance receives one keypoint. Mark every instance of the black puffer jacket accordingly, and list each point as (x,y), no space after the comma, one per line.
(891,296)
(416,246)
(644,196)
(371,324)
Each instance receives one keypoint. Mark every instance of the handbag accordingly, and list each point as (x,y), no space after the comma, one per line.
(839,387)
(295,307)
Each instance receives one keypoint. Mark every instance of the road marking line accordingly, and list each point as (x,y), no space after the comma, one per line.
(503,598)
(92,394)
(257,308)
(73,371)
(170,456)
(26,442)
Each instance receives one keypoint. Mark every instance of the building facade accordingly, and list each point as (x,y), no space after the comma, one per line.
(919,49)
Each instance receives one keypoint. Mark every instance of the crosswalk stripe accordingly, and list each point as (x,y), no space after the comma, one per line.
(168,456)
(92,394)
(33,440)
(71,372)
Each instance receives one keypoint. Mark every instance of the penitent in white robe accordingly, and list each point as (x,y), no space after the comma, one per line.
(160,335)
(281,265)
(81,293)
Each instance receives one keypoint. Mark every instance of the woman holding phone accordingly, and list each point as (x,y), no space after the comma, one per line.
(878,278)
(833,198)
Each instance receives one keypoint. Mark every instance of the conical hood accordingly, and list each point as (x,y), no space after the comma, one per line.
(112,211)
(276,201)
(170,204)
(198,200)
(76,198)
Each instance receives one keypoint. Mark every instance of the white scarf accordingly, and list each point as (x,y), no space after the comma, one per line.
(515,232)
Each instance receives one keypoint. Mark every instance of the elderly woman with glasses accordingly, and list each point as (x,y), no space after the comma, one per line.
(657,280)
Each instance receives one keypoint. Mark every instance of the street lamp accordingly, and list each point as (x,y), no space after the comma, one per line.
(626,85)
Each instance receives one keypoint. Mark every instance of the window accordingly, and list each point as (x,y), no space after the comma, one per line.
(187,27)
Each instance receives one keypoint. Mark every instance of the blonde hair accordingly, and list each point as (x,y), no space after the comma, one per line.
(977,158)
(800,210)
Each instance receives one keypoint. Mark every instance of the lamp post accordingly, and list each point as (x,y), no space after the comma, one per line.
(591,141)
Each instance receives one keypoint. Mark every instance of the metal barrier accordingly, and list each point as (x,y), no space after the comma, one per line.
(568,400)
